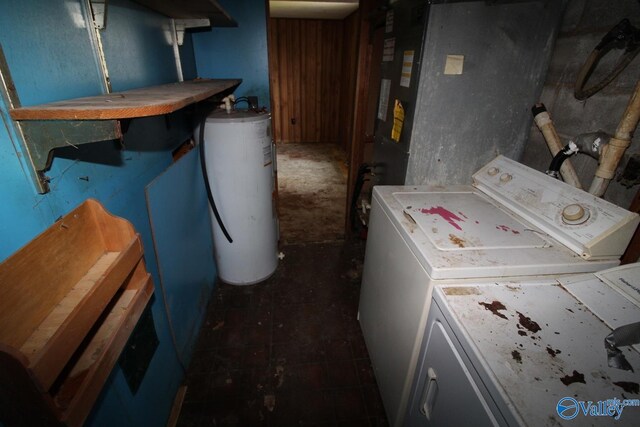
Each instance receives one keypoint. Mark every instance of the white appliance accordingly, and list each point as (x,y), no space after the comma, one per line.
(512,224)
(239,160)
(528,353)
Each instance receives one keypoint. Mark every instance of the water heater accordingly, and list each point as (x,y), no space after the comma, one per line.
(240,165)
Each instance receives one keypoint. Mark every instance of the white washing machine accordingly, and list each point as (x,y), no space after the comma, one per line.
(512,224)
(529,353)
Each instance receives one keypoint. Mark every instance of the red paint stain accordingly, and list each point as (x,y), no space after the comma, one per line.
(463,215)
(445,214)
(507,229)
(477,222)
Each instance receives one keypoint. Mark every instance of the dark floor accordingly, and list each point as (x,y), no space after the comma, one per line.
(288,351)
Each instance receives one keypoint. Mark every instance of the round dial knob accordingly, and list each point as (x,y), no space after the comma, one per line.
(573,212)
(493,171)
(505,177)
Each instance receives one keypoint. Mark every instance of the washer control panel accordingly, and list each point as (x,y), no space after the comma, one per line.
(590,226)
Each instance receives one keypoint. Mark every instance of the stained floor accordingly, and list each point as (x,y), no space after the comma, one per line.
(312,191)
(288,351)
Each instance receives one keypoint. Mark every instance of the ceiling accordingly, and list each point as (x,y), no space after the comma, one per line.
(312,9)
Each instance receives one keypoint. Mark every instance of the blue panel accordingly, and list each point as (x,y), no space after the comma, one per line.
(238,52)
(137,46)
(179,213)
(48,50)
(189,71)
(22,212)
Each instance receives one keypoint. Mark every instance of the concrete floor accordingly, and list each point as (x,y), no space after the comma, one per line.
(288,351)
(312,191)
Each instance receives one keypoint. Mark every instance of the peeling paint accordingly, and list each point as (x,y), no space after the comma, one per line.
(494,307)
(576,377)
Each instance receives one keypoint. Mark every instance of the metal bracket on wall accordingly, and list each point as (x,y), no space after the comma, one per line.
(38,137)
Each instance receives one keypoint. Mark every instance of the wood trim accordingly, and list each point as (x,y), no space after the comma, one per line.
(363,83)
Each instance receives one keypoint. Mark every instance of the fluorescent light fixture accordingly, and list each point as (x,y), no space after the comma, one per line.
(312,9)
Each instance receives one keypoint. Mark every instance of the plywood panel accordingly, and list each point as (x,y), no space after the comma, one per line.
(310,72)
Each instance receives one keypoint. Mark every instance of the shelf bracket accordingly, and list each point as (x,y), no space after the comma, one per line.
(42,136)
(38,137)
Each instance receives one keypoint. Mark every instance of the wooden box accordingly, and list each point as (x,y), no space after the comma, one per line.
(68,302)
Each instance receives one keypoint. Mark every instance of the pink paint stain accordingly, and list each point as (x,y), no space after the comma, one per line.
(445,214)
(505,228)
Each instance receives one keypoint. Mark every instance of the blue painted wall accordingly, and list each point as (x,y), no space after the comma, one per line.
(48,50)
(238,52)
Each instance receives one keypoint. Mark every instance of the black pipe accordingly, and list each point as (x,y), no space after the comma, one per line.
(205,175)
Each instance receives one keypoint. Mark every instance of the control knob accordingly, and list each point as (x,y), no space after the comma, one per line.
(505,177)
(574,213)
(493,171)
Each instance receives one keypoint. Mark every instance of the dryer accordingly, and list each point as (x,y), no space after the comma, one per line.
(513,223)
(529,353)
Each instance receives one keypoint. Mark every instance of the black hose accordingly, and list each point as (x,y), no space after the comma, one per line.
(558,160)
(205,175)
(622,36)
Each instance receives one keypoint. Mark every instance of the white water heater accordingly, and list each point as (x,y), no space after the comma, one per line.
(240,164)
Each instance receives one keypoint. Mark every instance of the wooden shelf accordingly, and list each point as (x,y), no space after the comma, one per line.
(98,118)
(192,9)
(68,302)
(152,101)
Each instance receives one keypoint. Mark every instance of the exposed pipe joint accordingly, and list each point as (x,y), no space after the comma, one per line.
(545,124)
(227,103)
(613,152)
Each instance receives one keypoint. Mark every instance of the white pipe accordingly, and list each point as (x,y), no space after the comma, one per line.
(613,152)
(176,51)
(544,123)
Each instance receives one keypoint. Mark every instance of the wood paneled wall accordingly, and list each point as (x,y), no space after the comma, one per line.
(310,73)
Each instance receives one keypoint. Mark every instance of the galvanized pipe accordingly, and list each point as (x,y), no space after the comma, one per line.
(613,152)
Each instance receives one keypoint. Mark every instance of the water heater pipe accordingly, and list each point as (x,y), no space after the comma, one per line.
(612,153)
(543,121)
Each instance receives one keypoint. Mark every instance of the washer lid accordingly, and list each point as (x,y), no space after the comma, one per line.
(466,221)
(535,344)
(613,295)
(457,232)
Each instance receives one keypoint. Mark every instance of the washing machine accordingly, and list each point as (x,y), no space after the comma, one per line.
(512,224)
(532,353)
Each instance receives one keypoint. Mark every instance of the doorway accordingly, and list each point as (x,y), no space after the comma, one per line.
(312,67)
